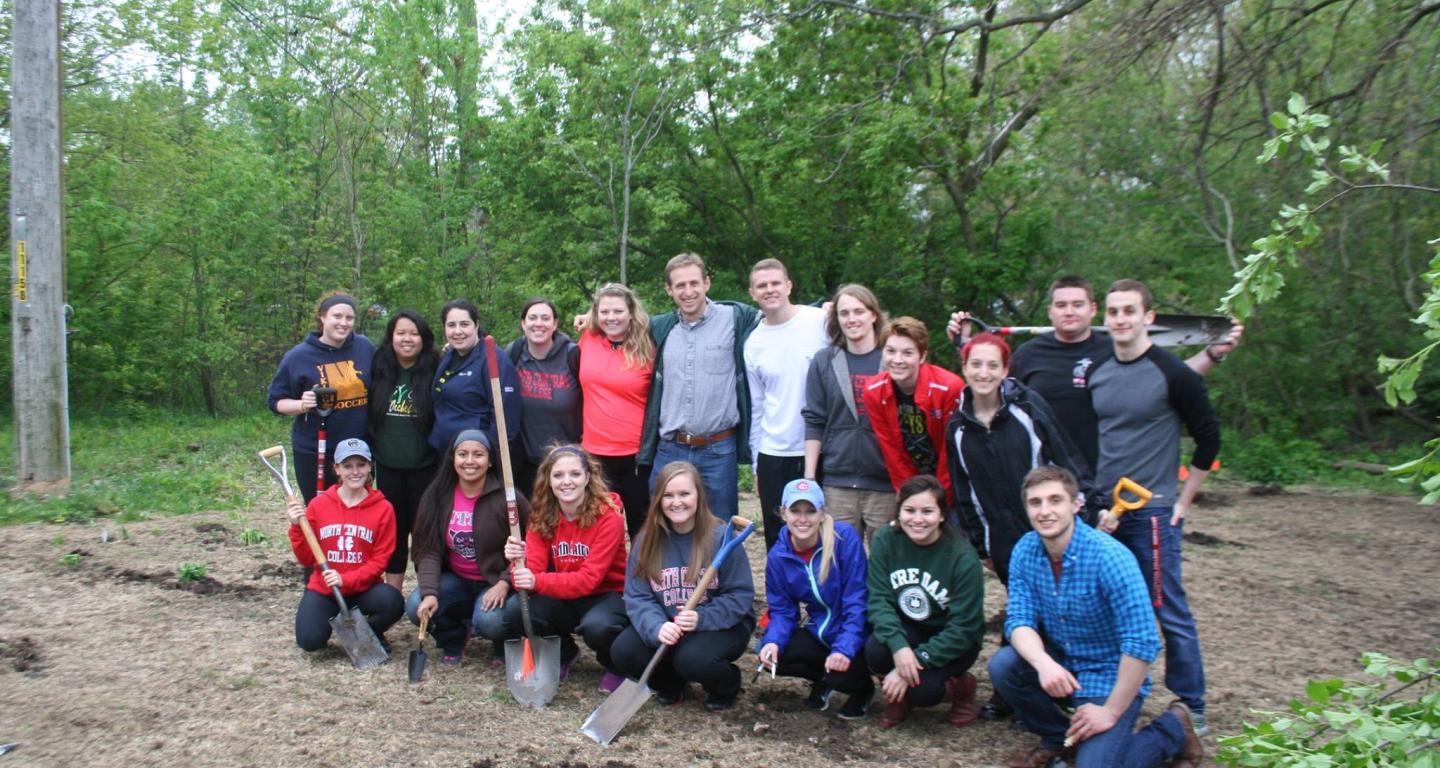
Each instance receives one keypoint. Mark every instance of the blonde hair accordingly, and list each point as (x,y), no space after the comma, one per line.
(863,295)
(827,540)
(638,347)
(545,509)
(655,531)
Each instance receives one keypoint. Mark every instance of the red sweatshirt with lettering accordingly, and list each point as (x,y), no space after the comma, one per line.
(579,562)
(357,541)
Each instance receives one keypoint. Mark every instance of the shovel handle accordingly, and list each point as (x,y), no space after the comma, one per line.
(424,620)
(320,559)
(1122,505)
(512,510)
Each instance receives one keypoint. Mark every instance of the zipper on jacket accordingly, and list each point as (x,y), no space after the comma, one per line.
(815,590)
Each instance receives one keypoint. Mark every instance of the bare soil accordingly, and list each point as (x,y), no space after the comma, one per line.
(107,658)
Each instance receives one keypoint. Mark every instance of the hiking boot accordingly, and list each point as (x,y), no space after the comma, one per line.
(610,681)
(961,693)
(819,698)
(1192,752)
(894,714)
(1038,757)
(856,707)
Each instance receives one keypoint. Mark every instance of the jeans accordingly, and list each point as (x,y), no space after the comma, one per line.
(459,614)
(772,473)
(718,472)
(380,604)
(1143,532)
(1120,747)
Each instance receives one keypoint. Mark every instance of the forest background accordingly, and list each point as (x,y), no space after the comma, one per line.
(226,162)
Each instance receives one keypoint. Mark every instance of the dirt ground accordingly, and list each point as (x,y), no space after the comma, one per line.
(108,662)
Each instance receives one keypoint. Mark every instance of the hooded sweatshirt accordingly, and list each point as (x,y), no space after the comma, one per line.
(849,455)
(462,397)
(346,368)
(834,608)
(727,603)
(936,392)
(579,562)
(939,588)
(549,394)
(357,541)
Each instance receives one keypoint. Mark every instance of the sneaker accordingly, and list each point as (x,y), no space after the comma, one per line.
(856,707)
(497,654)
(610,681)
(961,693)
(565,668)
(894,714)
(1197,719)
(453,659)
(997,708)
(717,702)
(670,698)
(819,698)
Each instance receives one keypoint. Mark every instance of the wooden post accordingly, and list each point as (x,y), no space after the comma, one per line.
(37,277)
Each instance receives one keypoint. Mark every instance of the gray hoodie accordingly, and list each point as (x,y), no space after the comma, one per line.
(727,603)
(849,455)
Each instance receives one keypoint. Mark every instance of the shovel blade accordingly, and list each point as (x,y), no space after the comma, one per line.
(417,665)
(605,723)
(538,687)
(358,639)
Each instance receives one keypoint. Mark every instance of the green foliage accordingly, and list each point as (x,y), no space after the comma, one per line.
(192,571)
(71,560)
(1275,457)
(135,469)
(252,536)
(1392,720)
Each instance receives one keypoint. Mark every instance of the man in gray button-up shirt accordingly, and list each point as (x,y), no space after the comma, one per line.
(699,408)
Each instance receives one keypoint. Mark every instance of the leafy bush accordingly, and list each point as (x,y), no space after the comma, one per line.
(1392,721)
(1275,457)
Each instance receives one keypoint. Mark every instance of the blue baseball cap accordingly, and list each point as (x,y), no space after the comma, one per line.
(803,490)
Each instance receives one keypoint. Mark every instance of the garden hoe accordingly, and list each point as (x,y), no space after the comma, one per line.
(417,656)
(614,712)
(532,664)
(350,626)
(1167,331)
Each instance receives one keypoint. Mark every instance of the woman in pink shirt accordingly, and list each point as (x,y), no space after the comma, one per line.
(617,358)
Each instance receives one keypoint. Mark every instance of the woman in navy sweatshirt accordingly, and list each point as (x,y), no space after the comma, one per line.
(676,543)
(462,382)
(331,356)
(819,564)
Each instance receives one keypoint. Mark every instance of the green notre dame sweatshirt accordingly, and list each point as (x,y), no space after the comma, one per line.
(938,588)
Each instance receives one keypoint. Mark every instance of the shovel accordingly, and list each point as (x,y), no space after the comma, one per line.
(614,712)
(1168,330)
(417,656)
(532,664)
(350,626)
(324,405)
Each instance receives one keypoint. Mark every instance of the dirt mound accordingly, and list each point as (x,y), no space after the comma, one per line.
(22,655)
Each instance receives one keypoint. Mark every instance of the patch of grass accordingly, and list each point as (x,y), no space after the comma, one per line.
(252,536)
(192,571)
(71,560)
(161,465)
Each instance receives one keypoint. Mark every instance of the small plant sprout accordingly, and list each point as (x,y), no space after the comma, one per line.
(192,571)
(71,560)
(252,536)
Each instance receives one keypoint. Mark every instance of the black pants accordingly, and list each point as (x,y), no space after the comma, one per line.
(598,618)
(707,658)
(931,690)
(305,472)
(382,605)
(525,469)
(805,656)
(402,488)
(771,475)
(632,483)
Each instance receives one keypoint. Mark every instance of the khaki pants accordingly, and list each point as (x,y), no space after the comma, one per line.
(866,511)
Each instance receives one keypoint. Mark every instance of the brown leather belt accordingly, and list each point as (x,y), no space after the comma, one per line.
(699,441)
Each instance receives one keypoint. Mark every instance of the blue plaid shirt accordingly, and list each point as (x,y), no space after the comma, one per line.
(1099,611)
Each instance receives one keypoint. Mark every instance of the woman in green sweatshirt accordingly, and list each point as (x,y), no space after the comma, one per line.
(927,597)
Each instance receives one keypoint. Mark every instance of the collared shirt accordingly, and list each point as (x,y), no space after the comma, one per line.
(1098,611)
(698,364)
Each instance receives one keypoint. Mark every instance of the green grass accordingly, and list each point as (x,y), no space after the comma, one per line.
(134,469)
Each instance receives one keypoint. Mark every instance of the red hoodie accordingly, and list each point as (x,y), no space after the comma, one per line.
(357,541)
(936,393)
(579,562)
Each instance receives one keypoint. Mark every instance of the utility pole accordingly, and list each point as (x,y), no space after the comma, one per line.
(37,277)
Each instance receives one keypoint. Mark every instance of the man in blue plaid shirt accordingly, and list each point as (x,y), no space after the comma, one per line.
(1084,590)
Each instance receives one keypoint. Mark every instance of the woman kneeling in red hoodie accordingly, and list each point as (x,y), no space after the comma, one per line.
(356,529)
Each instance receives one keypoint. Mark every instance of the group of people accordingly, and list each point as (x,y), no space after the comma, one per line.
(887,485)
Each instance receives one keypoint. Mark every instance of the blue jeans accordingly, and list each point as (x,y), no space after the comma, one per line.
(1120,747)
(459,610)
(718,472)
(1144,532)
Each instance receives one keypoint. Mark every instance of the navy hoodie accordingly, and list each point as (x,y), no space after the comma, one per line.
(834,609)
(462,398)
(346,368)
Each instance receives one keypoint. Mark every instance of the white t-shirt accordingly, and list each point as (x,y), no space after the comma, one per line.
(777,359)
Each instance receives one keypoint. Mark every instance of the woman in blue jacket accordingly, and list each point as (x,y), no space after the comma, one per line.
(818,563)
(461,391)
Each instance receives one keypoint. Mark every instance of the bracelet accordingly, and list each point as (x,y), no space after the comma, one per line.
(1214,358)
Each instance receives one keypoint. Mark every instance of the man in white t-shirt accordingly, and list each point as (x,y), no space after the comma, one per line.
(777,359)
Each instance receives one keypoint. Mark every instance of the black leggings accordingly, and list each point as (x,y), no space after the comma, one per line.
(382,605)
(633,484)
(707,658)
(403,489)
(599,619)
(805,656)
(771,475)
(931,689)
(305,472)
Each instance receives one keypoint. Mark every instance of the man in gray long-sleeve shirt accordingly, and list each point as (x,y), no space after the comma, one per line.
(1141,395)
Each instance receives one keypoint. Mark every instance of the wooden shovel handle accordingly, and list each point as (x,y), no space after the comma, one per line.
(424,620)
(319,556)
